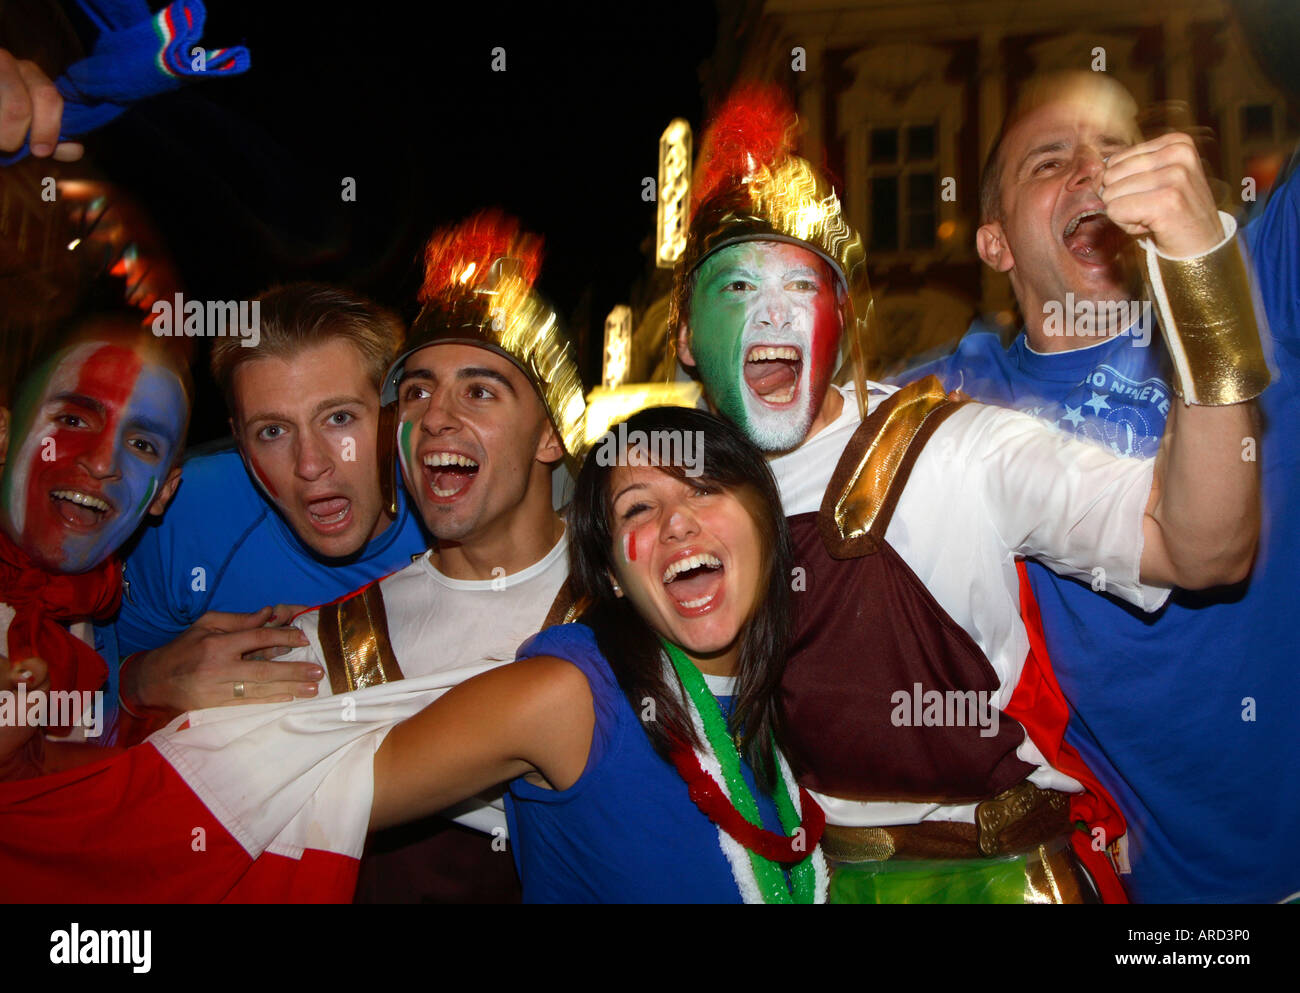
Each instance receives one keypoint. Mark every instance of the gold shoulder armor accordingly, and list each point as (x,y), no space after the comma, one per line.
(873,470)
(354,640)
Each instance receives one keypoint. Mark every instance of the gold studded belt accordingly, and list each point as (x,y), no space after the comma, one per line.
(1015,820)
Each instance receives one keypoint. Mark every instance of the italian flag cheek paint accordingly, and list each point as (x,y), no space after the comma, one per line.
(629,547)
(406,451)
(261,478)
(148,497)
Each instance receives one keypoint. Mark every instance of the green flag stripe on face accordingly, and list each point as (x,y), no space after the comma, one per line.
(13,479)
(406,451)
(717,322)
(148,497)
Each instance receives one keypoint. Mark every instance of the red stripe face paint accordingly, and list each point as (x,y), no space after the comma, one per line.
(262,478)
(629,546)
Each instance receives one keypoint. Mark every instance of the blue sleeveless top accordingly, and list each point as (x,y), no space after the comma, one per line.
(627,831)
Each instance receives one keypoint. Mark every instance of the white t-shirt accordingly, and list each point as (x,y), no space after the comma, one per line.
(991,485)
(439,624)
(436,623)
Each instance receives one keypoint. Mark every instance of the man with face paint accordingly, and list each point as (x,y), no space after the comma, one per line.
(916,701)
(1198,773)
(486,402)
(785,303)
(483,405)
(95,433)
(292,515)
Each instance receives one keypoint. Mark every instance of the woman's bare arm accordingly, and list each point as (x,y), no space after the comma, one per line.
(535,715)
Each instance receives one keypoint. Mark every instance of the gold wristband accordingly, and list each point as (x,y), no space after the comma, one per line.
(1207,313)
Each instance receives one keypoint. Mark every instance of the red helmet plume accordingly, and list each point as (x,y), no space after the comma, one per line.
(755,127)
(461,256)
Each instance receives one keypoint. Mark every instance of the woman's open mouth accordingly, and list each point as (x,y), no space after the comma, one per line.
(84,511)
(449,474)
(772,373)
(694,583)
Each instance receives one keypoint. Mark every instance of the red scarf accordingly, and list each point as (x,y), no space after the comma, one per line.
(41,600)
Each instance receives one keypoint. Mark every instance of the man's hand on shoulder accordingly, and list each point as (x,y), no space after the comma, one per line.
(220,654)
(1158,189)
(29,102)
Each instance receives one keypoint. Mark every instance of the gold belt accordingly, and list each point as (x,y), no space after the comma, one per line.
(1016,820)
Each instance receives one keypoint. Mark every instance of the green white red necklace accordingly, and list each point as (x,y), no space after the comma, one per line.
(717,786)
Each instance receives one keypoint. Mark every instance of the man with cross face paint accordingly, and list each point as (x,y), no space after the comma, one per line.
(96,430)
(909,510)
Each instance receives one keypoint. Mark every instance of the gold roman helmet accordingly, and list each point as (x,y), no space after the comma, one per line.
(750,186)
(478,290)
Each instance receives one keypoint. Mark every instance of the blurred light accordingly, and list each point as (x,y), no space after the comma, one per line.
(947,229)
(605,407)
(122,267)
(674,193)
(618,346)
(73,243)
(77,189)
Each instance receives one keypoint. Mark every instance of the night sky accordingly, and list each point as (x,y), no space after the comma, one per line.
(243,175)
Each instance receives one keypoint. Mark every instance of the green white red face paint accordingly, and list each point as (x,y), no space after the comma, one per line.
(765,324)
(95,431)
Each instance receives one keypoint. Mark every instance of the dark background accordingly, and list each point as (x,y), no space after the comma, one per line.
(242,175)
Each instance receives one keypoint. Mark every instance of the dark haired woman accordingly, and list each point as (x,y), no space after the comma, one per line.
(628,781)
(639,744)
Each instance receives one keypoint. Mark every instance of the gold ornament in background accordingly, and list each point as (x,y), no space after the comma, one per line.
(606,407)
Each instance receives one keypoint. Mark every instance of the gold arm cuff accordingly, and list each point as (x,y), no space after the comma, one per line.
(1210,326)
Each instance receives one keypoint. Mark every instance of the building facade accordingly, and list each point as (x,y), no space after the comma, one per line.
(902,100)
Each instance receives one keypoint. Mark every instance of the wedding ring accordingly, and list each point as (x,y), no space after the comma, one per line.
(239,691)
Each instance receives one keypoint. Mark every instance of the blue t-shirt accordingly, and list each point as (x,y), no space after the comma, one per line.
(222,546)
(627,831)
(1187,716)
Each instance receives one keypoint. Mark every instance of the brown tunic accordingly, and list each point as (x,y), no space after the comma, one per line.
(867,628)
